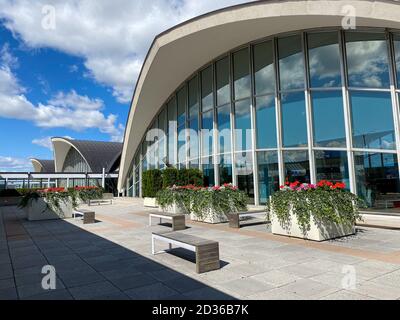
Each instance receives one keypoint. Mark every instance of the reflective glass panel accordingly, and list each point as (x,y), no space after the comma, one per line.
(266,122)
(294,122)
(193,138)
(181,98)
(297,166)
(241,74)
(207,88)
(291,62)
(208,171)
(268,174)
(367,60)
(242,125)
(181,144)
(172,135)
(324,59)
(244,173)
(224,128)
(193,98)
(372,120)
(328,119)
(225,169)
(207,132)
(396,41)
(264,75)
(223,88)
(377,180)
(332,166)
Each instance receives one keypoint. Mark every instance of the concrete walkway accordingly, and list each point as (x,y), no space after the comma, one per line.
(112,260)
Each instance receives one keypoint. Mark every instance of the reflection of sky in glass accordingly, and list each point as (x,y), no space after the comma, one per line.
(222,74)
(241,74)
(181,144)
(266,122)
(207,89)
(291,63)
(193,99)
(328,119)
(242,125)
(194,138)
(324,61)
(207,123)
(224,126)
(332,165)
(372,120)
(297,166)
(268,174)
(367,60)
(264,76)
(397,57)
(294,123)
(181,97)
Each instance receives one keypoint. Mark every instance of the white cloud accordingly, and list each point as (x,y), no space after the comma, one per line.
(111,36)
(14,164)
(65,110)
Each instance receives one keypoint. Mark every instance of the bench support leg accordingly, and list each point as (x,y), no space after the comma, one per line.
(152,245)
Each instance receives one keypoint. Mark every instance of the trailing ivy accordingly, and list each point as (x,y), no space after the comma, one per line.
(325,202)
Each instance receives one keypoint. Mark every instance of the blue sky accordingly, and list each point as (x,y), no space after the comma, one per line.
(68,68)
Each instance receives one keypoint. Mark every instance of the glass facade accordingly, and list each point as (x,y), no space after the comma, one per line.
(307,106)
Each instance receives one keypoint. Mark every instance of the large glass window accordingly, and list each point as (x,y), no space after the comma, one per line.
(264,75)
(193,138)
(207,96)
(372,120)
(242,125)
(266,122)
(244,173)
(241,74)
(172,135)
(324,59)
(294,121)
(225,169)
(181,98)
(396,42)
(193,98)
(207,132)
(328,119)
(224,128)
(297,166)
(223,88)
(291,62)
(377,180)
(332,165)
(268,174)
(208,171)
(367,60)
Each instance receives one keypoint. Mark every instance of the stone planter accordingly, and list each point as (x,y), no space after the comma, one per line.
(150,202)
(319,231)
(9,201)
(37,211)
(209,217)
(174,208)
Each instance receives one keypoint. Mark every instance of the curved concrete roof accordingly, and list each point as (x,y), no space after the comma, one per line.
(40,165)
(97,154)
(178,52)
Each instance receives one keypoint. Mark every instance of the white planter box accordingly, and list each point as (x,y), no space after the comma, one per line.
(174,208)
(317,232)
(150,202)
(209,217)
(37,210)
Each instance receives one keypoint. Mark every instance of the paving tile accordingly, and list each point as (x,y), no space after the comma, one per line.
(155,291)
(346,295)
(8,294)
(378,291)
(94,290)
(391,279)
(207,293)
(7,283)
(32,289)
(275,294)
(245,286)
(302,271)
(184,284)
(276,278)
(52,295)
(77,279)
(6,271)
(308,288)
(134,281)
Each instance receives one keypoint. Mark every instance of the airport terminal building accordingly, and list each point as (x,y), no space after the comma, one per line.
(270,91)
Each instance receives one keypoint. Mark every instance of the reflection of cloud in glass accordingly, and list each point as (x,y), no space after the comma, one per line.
(367,64)
(325,66)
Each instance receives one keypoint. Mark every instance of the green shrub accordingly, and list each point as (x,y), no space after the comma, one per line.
(9,193)
(151,183)
(169,177)
(190,177)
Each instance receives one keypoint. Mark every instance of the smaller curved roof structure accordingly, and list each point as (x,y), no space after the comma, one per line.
(97,154)
(40,165)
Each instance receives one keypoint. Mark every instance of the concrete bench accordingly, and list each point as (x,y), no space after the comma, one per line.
(207,251)
(177,220)
(107,199)
(234,217)
(88,215)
